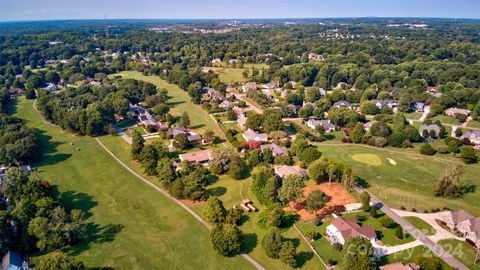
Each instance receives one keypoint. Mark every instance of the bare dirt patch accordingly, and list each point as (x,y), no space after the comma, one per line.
(339,197)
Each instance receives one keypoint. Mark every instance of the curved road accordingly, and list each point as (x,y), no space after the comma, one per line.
(437,249)
(166,194)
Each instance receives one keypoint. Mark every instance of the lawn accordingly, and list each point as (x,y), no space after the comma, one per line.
(445,119)
(413,115)
(179,103)
(461,250)
(130,226)
(386,235)
(410,255)
(410,182)
(473,124)
(232,192)
(421,225)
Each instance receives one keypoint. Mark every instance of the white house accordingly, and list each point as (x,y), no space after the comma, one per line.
(341,229)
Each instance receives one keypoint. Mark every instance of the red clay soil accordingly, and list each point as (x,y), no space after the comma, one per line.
(339,198)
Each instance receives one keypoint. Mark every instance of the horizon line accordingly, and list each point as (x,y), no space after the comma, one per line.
(242,18)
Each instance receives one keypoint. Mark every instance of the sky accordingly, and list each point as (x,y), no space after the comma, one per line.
(20,10)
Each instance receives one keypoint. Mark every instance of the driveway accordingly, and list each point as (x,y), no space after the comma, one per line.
(122,134)
(384,250)
(430,218)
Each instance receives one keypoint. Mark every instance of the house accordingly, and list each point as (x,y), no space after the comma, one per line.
(225,104)
(342,103)
(276,150)
(315,57)
(271,85)
(251,135)
(322,92)
(249,86)
(194,138)
(242,121)
(95,83)
(13,261)
(177,130)
(284,170)
(341,229)
(199,157)
(326,124)
(473,136)
(452,218)
(367,126)
(429,128)
(51,87)
(16,91)
(390,103)
(400,266)
(240,112)
(419,106)
(343,86)
(455,111)
(216,61)
(268,95)
(470,229)
(431,90)
(213,94)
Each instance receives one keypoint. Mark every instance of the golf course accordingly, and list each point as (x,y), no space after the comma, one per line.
(130,226)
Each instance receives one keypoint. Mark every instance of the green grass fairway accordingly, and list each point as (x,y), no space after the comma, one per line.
(421,225)
(131,226)
(410,183)
(179,102)
(410,255)
(369,159)
(461,250)
(231,192)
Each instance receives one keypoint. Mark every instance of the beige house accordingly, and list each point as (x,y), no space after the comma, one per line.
(465,223)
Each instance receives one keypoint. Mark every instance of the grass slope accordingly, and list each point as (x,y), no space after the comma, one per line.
(409,183)
(461,250)
(179,103)
(421,225)
(410,255)
(131,226)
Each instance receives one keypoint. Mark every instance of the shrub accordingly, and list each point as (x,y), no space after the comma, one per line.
(313,235)
(318,221)
(442,149)
(387,222)
(360,218)
(399,232)
(427,149)
(374,212)
(338,247)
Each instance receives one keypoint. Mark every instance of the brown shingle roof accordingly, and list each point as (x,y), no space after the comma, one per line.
(349,228)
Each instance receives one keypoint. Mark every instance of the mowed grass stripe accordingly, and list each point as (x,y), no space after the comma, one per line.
(131,226)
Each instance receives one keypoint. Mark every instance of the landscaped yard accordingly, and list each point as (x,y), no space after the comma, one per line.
(410,255)
(446,119)
(131,226)
(421,225)
(461,250)
(407,179)
(413,115)
(473,124)
(180,102)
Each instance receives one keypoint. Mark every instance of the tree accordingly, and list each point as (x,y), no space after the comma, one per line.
(449,185)
(255,157)
(399,123)
(137,145)
(291,188)
(399,232)
(357,133)
(226,239)
(194,186)
(318,170)
(165,171)
(260,178)
(427,149)
(220,162)
(209,136)
(368,107)
(272,243)
(358,254)
(231,116)
(309,155)
(5,232)
(30,94)
(467,153)
(275,216)
(214,211)
(237,168)
(180,141)
(288,253)
(59,261)
(272,120)
(185,120)
(149,159)
(316,200)
(387,222)
(365,200)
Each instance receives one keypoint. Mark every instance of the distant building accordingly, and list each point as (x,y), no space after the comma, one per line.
(213,94)
(455,111)
(400,266)
(419,106)
(284,170)
(367,126)
(429,128)
(315,57)
(13,261)
(51,87)
(216,61)
(199,157)
(271,85)
(225,104)
(342,103)
(326,124)
(249,86)
(390,103)
(276,150)
(473,136)
(251,135)
(341,229)
(466,224)
(242,122)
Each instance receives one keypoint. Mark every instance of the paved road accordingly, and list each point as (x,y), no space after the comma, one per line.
(122,134)
(437,249)
(181,204)
(242,97)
